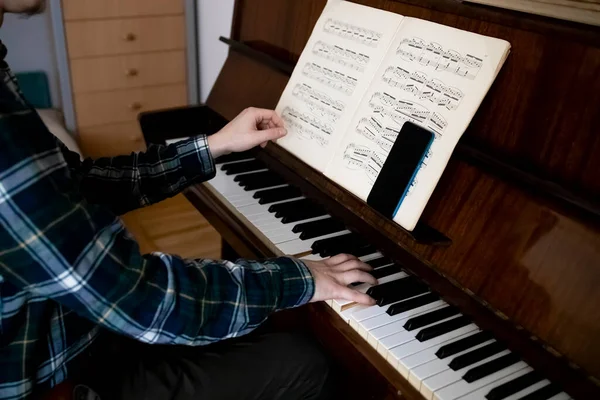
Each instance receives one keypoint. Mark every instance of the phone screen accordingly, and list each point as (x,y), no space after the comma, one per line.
(400,168)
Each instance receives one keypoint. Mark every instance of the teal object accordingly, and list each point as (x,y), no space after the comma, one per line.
(35,88)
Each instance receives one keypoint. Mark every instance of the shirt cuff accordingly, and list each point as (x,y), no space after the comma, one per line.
(196,158)
(298,285)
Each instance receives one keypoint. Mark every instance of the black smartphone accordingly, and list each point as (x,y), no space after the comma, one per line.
(400,168)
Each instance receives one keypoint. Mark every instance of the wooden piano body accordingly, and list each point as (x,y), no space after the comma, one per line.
(519,200)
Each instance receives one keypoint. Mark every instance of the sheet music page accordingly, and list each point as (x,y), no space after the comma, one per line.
(348,43)
(434,76)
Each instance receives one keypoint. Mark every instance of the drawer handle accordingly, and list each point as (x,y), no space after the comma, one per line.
(135,106)
(131,72)
(130,37)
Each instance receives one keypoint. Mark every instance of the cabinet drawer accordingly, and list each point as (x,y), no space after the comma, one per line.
(111,140)
(122,72)
(124,36)
(97,9)
(101,108)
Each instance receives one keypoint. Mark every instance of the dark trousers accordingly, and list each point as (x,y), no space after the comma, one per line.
(257,366)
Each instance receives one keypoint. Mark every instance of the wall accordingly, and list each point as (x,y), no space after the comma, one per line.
(30,46)
(214,20)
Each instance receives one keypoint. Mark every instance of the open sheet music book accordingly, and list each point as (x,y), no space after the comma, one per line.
(363,73)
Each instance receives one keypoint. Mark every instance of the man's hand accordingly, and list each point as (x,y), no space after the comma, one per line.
(252,127)
(332,277)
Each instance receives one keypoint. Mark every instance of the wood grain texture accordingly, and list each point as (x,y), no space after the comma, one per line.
(99,108)
(127,71)
(94,9)
(511,250)
(124,36)
(111,139)
(174,226)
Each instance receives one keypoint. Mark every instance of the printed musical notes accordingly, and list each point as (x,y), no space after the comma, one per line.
(433,55)
(319,103)
(356,33)
(307,126)
(403,110)
(421,86)
(341,55)
(334,79)
(361,158)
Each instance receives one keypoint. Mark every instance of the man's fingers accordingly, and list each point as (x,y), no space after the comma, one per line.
(356,275)
(339,259)
(265,115)
(269,134)
(356,296)
(353,264)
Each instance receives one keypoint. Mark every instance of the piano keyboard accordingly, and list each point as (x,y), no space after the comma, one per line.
(440,352)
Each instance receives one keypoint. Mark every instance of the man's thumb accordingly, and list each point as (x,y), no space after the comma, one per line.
(272,134)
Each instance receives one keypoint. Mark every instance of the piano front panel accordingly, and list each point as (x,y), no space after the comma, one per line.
(535,263)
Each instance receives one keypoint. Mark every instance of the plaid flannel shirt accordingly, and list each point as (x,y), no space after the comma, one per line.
(69,268)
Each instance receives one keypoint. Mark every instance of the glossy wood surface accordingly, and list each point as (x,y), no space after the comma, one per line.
(521,255)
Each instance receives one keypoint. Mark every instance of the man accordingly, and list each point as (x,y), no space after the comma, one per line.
(72,280)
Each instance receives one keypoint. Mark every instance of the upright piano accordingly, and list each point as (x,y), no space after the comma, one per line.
(496,293)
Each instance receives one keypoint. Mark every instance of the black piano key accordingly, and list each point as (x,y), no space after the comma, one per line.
(398,290)
(490,367)
(268,196)
(442,328)
(463,344)
(379,262)
(322,244)
(544,393)
(242,166)
(386,271)
(259,180)
(327,225)
(290,206)
(244,155)
(516,385)
(295,217)
(254,177)
(430,318)
(413,303)
(357,250)
(477,355)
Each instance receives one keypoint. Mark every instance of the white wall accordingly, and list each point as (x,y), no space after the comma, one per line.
(214,20)
(30,47)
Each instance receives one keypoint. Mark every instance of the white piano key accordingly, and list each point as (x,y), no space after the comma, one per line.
(528,390)
(347,314)
(418,374)
(462,387)
(314,257)
(370,324)
(560,396)
(402,336)
(437,375)
(415,353)
(481,392)
(370,257)
(299,246)
(375,310)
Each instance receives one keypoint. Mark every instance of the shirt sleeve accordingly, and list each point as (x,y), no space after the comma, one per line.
(155,298)
(128,182)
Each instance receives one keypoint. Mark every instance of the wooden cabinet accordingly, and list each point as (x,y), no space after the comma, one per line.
(125,57)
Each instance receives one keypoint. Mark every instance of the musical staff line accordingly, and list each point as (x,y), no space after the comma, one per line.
(421,86)
(433,55)
(334,79)
(356,33)
(342,56)
(307,126)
